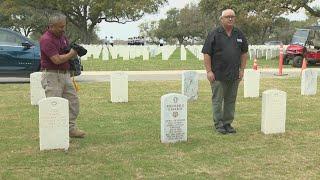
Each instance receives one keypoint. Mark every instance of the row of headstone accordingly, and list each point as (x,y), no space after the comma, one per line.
(54,120)
(174,113)
(53,112)
(131,52)
(113,52)
(274,101)
(252,82)
(267,51)
(92,51)
(119,85)
(127,52)
(196,51)
(166,52)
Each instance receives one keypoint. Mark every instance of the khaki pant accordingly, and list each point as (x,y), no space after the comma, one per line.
(59,84)
(224,95)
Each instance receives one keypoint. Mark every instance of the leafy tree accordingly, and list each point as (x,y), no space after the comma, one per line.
(86,14)
(148,30)
(23,19)
(295,5)
(168,27)
(183,24)
(260,20)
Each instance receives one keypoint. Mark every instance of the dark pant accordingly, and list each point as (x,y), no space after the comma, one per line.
(224,95)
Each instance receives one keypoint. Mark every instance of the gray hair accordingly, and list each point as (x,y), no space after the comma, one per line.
(224,12)
(56,17)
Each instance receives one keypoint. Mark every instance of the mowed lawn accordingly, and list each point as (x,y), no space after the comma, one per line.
(156,63)
(123,139)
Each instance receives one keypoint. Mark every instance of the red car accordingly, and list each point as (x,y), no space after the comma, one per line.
(305,44)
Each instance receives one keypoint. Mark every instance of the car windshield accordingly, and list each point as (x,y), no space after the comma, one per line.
(300,36)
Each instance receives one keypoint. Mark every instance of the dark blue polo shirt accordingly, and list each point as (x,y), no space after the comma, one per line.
(225,52)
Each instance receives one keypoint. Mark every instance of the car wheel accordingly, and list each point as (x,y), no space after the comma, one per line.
(297,61)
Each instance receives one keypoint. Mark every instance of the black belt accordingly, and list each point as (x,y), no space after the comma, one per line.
(61,71)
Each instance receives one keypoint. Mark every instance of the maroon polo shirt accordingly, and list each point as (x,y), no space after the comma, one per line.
(51,45)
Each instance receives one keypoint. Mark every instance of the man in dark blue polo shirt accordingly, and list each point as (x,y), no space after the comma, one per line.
(225,56)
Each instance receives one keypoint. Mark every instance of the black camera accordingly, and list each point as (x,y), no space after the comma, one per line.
(80,49)
(75,63)
(75,66)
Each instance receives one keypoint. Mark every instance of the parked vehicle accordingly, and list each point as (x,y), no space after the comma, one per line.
(19,56)
(305,44)
(273,43)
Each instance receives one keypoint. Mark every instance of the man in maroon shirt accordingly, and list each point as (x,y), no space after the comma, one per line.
(56,79)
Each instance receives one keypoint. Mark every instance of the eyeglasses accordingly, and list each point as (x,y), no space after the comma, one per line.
(229,17)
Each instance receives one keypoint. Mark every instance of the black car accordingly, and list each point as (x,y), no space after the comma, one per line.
(19,56)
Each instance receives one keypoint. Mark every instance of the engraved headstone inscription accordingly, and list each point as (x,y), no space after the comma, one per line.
(309,82)
(273,111)
(190,84)
(54,123)
(173,118)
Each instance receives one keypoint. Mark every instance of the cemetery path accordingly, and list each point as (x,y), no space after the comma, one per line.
(104,76)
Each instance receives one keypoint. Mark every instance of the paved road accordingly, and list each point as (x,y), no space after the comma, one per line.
(103,76)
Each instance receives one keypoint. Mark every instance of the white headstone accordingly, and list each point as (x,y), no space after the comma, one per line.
(153,52)
(165,53)
(105,53)
(273,111)
(190,84)
(309,82)
(251,82)
(126,54)
(145,54)
(54,123)
(113,52)
(36,91)
(173,118)
(119,87)
(133,53)
(183,54)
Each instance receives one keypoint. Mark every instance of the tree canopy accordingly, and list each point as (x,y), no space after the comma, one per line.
(183,24)
(84,14)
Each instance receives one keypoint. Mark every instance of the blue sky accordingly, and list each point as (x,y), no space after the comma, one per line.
(123,31)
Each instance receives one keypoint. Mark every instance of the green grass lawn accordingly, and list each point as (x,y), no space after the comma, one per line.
(123,139)
(156,63)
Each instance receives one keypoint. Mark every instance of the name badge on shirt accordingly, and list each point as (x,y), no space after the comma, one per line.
(239,40)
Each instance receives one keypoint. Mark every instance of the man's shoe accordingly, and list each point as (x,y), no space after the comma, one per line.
(76,133)
(229,128)
(221,130)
